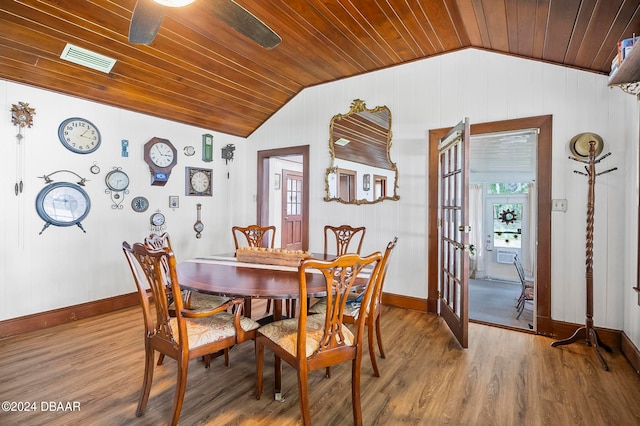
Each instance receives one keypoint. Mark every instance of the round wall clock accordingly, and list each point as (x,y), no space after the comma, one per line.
(157,219)
(139,204)
(117,180)
(79,135)
(62,204)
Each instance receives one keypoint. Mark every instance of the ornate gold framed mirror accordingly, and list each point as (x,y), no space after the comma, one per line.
(361,170)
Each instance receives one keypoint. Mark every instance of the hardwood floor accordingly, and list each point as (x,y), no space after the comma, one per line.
(504,378)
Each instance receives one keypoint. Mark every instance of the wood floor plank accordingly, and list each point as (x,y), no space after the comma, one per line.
(504,378)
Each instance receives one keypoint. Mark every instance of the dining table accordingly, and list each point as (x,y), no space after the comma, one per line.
(223,275)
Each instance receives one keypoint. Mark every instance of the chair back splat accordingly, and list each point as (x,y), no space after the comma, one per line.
(256,236)
(344,236)
(353,308)
(314,341)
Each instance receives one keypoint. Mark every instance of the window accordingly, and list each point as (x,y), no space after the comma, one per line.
(507,225)
(508,188)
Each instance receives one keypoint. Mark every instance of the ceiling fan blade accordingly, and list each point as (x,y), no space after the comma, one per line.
(241,20)
(145,21)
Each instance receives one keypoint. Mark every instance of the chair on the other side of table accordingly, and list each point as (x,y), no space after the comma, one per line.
(353,308)
(193,301)
(258,236)
(188,335)
(527,293)
(316,341)
(344,236)
(255,235)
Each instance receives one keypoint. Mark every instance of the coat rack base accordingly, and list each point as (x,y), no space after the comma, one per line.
(590,335)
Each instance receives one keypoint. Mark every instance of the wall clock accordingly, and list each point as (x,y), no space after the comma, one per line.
(22,114)
(161,156)
(79,135)
(157,221)
(117,183)
(62,204)
(207,147)
(198,181)
(139,204)
(189,150)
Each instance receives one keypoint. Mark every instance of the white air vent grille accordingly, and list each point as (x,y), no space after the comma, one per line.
(505,256)
(87,58)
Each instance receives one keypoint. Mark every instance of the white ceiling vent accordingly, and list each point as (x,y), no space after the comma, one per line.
(85,57)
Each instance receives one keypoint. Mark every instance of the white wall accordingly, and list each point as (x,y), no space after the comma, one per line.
(439,92)
(63,266)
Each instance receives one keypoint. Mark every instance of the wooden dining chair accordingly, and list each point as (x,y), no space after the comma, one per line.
(353,308)
(258,236)
(188,335)
(527,289)
(344,236)
(190,300)
(312,342)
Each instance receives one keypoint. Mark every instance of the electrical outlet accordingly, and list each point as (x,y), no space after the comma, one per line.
(559,205)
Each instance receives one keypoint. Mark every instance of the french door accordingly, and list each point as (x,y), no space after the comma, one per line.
(453,238)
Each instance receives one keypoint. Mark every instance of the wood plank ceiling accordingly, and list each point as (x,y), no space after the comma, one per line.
(200,71)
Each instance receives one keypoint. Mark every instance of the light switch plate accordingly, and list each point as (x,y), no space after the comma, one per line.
(559,205)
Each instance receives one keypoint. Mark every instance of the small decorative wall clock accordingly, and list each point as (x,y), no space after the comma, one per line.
(207,147)
(139,204)
(157,221)
(117,183)
(189,150)
(21,116)
(79,135)
(198,226)
(198,181)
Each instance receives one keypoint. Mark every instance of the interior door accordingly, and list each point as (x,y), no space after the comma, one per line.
(292,196)
(453,211)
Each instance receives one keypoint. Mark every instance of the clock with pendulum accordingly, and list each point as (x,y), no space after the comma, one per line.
(198,226)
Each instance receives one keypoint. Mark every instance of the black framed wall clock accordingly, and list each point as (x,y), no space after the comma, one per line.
(198,181)
(79,135)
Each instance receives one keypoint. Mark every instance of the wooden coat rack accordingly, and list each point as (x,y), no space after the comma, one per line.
(588,332)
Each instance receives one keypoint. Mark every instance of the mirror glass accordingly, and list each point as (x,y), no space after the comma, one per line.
(361,170)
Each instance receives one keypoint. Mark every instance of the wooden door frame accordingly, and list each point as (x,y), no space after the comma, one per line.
(544,324)
(262,196)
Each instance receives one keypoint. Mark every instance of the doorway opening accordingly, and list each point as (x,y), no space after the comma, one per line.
(540,213)
(282,195)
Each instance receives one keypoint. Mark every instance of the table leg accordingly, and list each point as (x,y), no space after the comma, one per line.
(247,307)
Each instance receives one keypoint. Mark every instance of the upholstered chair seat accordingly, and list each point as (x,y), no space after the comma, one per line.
(285,334)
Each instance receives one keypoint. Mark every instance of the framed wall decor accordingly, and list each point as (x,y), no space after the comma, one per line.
(174,201)
(198,181)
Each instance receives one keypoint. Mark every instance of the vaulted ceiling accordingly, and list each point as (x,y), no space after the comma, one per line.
(199,71)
